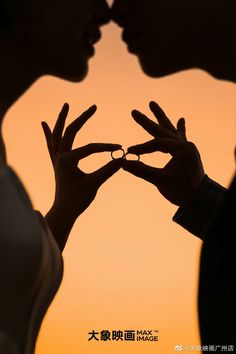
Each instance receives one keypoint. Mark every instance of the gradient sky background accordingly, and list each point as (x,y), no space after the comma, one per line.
(127,265)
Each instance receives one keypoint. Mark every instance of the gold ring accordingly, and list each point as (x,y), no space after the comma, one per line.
(116,158)
(129,153)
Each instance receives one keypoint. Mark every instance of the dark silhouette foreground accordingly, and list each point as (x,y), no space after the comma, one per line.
(41,37)
(169,36)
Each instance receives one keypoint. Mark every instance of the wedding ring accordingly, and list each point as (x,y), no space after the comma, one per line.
(129,153)
(119,157)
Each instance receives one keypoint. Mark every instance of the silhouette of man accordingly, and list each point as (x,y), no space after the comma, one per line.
(41,37)
(169,36)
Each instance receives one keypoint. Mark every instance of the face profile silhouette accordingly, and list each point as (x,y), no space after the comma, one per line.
(52,37)
(169,36)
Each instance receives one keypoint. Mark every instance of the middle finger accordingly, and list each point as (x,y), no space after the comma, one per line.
(151,127)
(74,127)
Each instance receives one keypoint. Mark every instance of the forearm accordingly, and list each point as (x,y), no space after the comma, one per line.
(60,222)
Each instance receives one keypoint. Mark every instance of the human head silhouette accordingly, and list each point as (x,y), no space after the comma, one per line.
(169,36)
(52,37)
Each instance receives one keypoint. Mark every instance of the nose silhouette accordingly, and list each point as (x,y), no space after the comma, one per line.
(118,12)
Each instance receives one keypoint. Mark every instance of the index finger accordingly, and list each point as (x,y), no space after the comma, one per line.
(146,172)
(151,127)
(171,146)
(80,153)
(105,172)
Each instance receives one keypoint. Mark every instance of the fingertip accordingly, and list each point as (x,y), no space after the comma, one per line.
(156,108)
(137,116)
(65,107)
(93,107)
(64,110)
(117,147)
(128,163)
(134,150)
(125,164)
(135,112)
(153,104)
(181,125)
(91,110)
(44,125)
(131,166)
(130,150)
(114,165)
(118,161)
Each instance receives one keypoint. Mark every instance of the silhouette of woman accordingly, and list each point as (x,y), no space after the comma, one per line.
(33,36)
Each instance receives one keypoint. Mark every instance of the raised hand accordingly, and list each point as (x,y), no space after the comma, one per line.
(75,189)
(182,175)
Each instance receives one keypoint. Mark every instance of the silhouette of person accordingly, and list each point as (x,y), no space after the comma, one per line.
(41,37)
(169,36)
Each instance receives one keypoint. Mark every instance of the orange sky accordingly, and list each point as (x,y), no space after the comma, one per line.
(127,265)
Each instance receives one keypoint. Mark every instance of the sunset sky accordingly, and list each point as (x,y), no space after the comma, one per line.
(127,264)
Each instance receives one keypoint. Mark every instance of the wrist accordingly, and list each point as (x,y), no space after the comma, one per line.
(193,191)
(61,212)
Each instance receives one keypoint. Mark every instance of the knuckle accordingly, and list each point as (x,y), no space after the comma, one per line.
(189,149)
(192,146)
(61,159)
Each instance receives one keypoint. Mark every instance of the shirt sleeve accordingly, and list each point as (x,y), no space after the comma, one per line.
(198,215)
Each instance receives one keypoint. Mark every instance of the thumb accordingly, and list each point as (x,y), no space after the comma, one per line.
(105,172)
(141,170)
